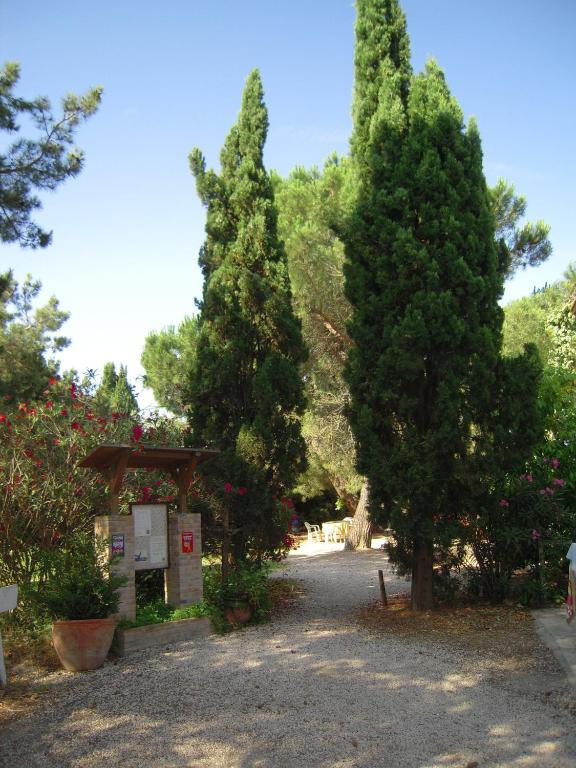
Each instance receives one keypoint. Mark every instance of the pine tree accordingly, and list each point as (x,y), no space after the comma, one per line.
(42,162)
(123,398)
(115,393)
(108,383)
(247,392)
(423,277)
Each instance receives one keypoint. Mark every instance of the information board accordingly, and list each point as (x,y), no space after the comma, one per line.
(150,536)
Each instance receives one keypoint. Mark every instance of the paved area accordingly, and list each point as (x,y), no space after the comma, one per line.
(559,636)
(313,688)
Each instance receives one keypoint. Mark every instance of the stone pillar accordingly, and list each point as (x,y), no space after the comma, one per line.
(183,577)
(112,528)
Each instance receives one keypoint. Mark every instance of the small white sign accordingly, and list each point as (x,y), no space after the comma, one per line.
(8,598)
(8,601)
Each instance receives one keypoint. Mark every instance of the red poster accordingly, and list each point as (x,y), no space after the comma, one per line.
(187,541)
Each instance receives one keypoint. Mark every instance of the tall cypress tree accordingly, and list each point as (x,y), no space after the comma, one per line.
(423,277)
(247,392)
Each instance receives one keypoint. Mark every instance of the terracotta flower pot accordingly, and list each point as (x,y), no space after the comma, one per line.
(84,644)
(238,613)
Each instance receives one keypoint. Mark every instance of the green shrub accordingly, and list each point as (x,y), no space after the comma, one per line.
(79,584)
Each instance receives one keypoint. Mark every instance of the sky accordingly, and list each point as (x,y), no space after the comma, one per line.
(127,231)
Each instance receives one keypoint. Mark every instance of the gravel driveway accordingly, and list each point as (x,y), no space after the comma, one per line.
(313,689)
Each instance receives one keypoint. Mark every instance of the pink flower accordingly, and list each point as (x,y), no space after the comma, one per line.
(504,503)
(529,478)
(554,463)
(536,535)
(241,490)
(227,487)
(558,481)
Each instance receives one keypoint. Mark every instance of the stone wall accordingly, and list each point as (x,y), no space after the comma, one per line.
(121,525)
(183,579)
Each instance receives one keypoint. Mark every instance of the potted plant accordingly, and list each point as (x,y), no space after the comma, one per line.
(80,596)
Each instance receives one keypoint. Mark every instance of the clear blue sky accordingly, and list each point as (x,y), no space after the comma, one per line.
(127,231)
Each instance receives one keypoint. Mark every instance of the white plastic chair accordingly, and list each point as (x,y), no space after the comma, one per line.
(314,533)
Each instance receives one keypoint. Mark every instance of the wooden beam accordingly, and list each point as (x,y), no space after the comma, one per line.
(117,472)
(183,477)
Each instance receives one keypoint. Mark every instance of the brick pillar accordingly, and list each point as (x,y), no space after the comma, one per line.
(121,525)
(183,578)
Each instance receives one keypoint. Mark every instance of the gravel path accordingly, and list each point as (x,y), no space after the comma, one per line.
(312,689)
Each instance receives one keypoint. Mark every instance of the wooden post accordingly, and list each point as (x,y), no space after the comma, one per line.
(541,567)
(225,545)
(382,588)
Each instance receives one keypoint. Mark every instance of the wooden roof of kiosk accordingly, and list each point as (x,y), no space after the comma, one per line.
(114,460)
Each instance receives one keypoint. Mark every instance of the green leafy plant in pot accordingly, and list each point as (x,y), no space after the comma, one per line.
(80,595)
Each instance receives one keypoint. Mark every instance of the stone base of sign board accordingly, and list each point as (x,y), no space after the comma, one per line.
(139,638)
(183,578)
(112,527)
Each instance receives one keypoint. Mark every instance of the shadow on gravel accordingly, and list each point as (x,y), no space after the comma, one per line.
(290,694)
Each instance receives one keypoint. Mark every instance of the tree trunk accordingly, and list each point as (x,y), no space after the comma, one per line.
(225,547)
(359,535)
(350,499)
(422,593)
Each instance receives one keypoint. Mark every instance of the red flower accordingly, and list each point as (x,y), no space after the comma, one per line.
(75,425)
(290,503)
(242,490)
(137,433)
(52,381)
(2,417)
(504,503)
(48,404)
(56,441)
(227,487)
(63,412)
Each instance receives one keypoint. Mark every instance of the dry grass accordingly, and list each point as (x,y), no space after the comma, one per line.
(499,642)
(495,630)
(27,662)
(284,594)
